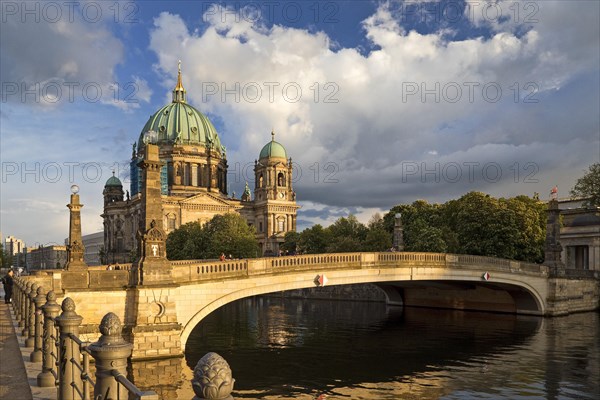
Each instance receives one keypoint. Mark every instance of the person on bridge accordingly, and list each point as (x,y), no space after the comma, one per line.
(8,282)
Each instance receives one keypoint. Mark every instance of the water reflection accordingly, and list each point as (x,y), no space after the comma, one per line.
(302,348)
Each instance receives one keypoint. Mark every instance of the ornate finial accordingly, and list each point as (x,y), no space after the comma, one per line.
(68,305)
(51,297)
(272,135)
(179,91)
(40,290)
(113,172)
(212,378)
(111,325)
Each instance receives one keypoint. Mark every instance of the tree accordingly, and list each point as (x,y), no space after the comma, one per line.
(290,243)
(588,187)
(347,235)
(230,234)
(313,240)
(224,234)
(6,258)
(186,242)
(377,239)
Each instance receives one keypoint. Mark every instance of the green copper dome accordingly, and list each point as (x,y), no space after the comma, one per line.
(113,181)
(273,149)
(180,123)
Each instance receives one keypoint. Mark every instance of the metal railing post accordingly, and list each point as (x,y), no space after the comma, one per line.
(31,316)
(24,309)
(47,378)
(36,354)
(110,353)
(70,382)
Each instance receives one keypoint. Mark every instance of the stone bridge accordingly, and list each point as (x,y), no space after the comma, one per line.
(160,318)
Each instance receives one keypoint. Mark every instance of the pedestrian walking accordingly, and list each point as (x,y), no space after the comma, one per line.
(8,282)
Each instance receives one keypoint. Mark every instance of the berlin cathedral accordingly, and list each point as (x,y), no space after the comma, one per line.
(194,182)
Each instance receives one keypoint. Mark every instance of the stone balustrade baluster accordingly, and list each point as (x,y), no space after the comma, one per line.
(38,329)
(51,309)
(31,316)
(15,297)
(110,353)
(24,309)
(70,383)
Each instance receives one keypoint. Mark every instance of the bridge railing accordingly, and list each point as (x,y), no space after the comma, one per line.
(199,270)
(66,358)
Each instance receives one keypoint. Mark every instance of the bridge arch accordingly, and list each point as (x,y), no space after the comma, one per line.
(528,298)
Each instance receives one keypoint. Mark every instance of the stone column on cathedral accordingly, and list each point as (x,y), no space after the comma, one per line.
(75,248)
(152,268)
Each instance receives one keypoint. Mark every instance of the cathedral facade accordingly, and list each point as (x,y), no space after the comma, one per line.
(194,183)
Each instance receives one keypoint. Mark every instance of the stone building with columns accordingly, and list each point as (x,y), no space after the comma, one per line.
(194,182)
(579,235)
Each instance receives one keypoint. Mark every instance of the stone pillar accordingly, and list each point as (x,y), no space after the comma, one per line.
(194,174)
(75,249)
(17,297)
(212,378)
(69,376)
(553,248)
(398,233)
(36,354)
(24,308)
(110,353)
(31,316)
(51,310)
(152,268)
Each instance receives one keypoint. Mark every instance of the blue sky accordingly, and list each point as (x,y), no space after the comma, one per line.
(378,103)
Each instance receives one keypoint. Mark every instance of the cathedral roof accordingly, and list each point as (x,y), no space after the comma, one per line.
(113,181)
(180,123)
(273,149)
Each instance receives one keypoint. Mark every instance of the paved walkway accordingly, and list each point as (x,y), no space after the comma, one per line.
(18,376)
(13,377)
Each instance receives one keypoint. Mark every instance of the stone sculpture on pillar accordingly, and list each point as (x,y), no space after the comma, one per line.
(152,267)
(212,378)
(553,248)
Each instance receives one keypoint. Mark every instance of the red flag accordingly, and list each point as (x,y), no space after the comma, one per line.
(554,190)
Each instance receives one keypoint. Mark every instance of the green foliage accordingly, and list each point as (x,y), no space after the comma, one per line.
(6,259)
(477,224)
(588,187)
(228,234)
(313,240)
(347,235)
(290,243)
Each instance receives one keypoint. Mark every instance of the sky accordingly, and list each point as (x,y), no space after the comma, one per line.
(378,103)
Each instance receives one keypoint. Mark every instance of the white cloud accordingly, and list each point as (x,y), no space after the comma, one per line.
(376,123)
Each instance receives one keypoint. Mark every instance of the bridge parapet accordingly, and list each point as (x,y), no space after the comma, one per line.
(200,270)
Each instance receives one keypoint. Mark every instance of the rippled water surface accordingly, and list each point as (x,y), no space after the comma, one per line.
(282,348)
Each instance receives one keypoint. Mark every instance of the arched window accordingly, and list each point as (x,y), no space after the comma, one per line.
(281,179)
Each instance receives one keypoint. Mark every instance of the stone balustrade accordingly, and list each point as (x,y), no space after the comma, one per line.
(65,357)
(188,271)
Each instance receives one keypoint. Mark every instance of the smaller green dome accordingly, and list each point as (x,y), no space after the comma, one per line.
(273,149)
(113,181)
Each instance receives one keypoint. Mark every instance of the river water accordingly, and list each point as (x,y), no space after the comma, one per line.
(299,349)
